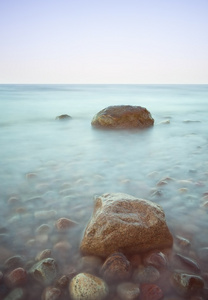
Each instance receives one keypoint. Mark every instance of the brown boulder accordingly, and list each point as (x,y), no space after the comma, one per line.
(123,223)
(123,117)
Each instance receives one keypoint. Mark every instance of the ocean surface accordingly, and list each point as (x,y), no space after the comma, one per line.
(51,168)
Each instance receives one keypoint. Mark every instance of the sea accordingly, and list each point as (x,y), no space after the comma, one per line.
(51,168)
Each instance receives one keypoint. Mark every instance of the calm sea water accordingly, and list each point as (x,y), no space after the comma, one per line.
(64,164)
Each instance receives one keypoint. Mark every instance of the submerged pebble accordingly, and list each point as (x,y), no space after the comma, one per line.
(51,293)
(116,268)
(86,286)
(146,274)
(128,291)
(186,284)
(151,292)
(64,224)
(16,277)
(44,271)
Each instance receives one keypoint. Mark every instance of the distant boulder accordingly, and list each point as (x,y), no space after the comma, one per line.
(123,117)
(63,117)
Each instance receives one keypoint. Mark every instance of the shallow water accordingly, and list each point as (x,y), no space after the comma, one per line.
(59,166)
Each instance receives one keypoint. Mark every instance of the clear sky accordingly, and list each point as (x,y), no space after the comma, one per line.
(104,41)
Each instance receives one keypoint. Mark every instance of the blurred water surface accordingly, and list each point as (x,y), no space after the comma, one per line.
(69,162)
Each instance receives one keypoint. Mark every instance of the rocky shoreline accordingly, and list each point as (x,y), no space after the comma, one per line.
(54,268)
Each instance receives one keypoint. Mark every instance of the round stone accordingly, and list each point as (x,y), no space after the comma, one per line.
(16,277)
(63,224)
(85,286)
(123,117)
(116,268)
(128,291)
(51,293)
(151,292)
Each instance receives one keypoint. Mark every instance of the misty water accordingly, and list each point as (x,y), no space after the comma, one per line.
(51,168)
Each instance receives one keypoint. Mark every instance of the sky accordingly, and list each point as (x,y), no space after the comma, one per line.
(104,41)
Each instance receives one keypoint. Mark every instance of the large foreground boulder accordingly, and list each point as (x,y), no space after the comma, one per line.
(121,222)
(123,117)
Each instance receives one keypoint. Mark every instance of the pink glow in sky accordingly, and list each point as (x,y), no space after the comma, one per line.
(87,41)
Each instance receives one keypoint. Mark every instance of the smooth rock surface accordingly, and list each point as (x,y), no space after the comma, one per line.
(123,117)
(85,286)
(116,268)
(123,223)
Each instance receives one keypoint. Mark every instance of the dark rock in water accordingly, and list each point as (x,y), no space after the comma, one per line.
(123,117)
(156,259)
(16,277)
(63,117)
(14,262)
(116,268)
(151,292)
(44,271)
(123,223)
(186,284)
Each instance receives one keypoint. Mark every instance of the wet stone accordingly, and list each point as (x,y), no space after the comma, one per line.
(44,271)
(62,282)
(117,221)
(43,229)
(123,117)
(63,117)
(14,262)
(156,259)
(182,242)
(147,274)
(51,293)
(186,284)
(62,249)
(43,254)
(116,268)
(13,200)
(128,291)
(64,224)
(86,286)
(151,292)
(16,277)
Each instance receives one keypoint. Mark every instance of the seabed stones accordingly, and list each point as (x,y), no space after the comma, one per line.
(85,286)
